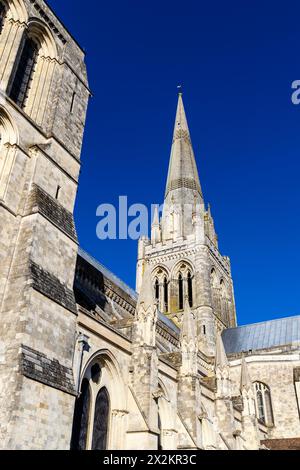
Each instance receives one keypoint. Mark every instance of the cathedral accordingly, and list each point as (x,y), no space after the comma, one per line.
(86,362)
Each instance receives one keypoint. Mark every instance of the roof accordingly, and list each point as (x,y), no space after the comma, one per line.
(264,335)
(118,282)
(107,273)
(282,444)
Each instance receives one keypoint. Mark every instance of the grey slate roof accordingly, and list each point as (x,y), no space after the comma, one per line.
(268,334)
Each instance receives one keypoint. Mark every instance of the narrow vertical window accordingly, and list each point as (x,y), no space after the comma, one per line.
(159,440)
(180,292)
(57,192)
(204,329)
(23,75)
(100,430)
(156,289)
(264,404)
(190,288)
(166,301)
(269,411)
(72,102)
(81,418)
(260,406)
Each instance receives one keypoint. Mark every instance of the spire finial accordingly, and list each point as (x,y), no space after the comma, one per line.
(179,88)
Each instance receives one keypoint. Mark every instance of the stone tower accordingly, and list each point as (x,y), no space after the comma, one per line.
(43,100)
(183,251)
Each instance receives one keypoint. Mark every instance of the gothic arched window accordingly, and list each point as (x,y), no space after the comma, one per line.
(166,296)
(81,418)
(190,288)
(180,292)
(264,404)
(23,73)
(100,429)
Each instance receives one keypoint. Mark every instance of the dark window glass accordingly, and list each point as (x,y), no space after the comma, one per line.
(2,15)
(166,294)
(24,72)
(72,102)
(96,373)
(159,443)
(156,288)
(180,292)
(81,418)
(190,289)
(260,405)
(101,421)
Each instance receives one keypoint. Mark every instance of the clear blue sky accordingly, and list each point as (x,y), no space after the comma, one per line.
(237,61)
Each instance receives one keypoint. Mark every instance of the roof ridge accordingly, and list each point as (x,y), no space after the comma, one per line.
(265,321)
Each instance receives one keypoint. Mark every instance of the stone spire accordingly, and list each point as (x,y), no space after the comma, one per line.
(144,359)
(249,421)
(246,383)
(183,171)
(221,358)
(183,188)
(146,298)
(146,313)
(188,333)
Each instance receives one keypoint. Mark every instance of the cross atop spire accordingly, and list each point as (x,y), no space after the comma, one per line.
(183,171)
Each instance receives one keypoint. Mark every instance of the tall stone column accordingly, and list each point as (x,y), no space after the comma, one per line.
(249,420)
(145,361)
(223,402)
(205,316)
(189,390)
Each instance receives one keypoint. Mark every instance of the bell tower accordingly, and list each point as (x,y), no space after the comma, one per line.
(43,101)
(183,250)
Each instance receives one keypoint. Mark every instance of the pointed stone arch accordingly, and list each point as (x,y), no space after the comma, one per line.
(107,377)
(167,418)
(225,301)
(37,50)
(160,281)
(13,27)
(183,280)
(46,63)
